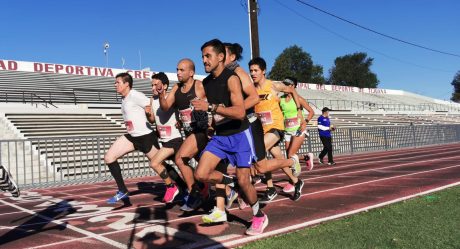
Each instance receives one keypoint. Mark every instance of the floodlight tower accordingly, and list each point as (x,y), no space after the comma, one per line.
(106,53)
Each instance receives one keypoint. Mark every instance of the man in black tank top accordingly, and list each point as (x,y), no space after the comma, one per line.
(179,98)
(233,139)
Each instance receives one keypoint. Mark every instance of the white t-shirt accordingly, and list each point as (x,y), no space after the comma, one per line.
(132,107)
(166,122)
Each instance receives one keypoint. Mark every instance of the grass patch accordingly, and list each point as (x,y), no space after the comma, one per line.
(430,221)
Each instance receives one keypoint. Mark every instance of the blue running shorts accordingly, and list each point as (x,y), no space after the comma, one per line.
(237,149)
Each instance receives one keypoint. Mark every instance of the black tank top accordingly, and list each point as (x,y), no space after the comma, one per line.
(182,100)
(217,93)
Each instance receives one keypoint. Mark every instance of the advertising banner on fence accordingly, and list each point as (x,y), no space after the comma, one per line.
(26,66)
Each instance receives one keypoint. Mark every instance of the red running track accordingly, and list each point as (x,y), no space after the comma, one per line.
(78,217)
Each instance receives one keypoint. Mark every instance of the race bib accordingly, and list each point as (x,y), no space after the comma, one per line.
(129,125)
(185,116)
(265,117)
(164,131)
(291,122)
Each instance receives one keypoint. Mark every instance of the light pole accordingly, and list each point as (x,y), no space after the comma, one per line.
(253,9)
(106,53)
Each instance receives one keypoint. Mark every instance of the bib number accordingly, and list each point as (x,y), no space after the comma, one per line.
(291,122)
(164,131)
(265,117)
(129,125)
(185,116)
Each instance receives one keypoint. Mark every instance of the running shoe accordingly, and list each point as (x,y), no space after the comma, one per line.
(191,204)
(289,188)
(171,192)
(117,197)
(309,161)
(184,200)
(215,216)
(331,163)
(296,166)
(256,179)
(258,225)
(320,161)
(231,198)
(242,204)
(298,190)
(269,195)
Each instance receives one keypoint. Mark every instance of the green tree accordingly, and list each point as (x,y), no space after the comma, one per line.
(456,84)
(295,62)
(353,70)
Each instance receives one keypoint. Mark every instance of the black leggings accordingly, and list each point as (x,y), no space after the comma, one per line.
(327,148)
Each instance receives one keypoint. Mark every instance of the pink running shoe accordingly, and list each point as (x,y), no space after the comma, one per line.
(289,188)
(258,225)
(171,192)
(309,161)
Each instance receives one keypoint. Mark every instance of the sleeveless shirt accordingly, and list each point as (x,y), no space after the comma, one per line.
(217,93)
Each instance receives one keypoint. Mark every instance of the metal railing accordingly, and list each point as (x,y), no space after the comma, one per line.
(70,160)
(71,96)
(373,106)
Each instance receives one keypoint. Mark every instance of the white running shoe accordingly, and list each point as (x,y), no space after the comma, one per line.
(215,216)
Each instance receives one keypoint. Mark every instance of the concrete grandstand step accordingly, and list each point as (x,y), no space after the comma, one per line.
(30,123)
(73,129)
(75,141)
(48,119)
(71,134)
(76,125)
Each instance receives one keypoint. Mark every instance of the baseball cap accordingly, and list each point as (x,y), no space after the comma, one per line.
(325,109)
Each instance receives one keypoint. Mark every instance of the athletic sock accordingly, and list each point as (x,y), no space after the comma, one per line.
(256,210)
(115,170)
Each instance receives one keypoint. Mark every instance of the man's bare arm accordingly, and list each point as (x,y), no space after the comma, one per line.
(236,111)
(249,89)
(167,102)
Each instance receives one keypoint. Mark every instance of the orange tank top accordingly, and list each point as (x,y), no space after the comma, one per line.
(268,109)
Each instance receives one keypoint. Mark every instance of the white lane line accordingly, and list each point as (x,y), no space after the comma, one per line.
(284,198)
(281,199)
(288,228)
(312,222)
(71,227)
(327,169)
(380,168)
(386,154)
(366,182)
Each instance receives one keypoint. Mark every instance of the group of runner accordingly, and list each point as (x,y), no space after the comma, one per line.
(229,118)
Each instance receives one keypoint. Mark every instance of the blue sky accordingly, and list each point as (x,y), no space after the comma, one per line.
(73,32)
